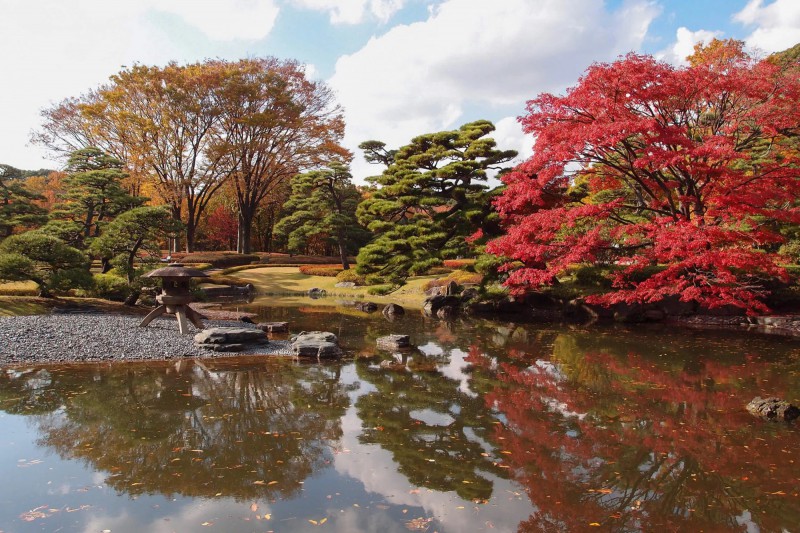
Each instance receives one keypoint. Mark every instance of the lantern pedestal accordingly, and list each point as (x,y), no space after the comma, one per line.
(171,305)
(175,296)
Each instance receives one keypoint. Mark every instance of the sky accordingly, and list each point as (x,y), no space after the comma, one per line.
(399,68)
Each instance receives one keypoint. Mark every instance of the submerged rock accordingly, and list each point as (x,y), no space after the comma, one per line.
(393,342)
(772,409)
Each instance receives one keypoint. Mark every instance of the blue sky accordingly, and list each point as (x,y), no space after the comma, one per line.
(400,68)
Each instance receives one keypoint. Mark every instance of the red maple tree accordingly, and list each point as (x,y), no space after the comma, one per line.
(677,178)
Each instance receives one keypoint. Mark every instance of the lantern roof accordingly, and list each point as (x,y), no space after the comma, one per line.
(176,270)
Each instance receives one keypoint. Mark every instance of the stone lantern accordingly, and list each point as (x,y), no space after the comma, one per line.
(175,295)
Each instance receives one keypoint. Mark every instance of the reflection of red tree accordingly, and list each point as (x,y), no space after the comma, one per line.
(625,444)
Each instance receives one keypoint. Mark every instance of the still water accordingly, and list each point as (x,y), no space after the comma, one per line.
(484,426)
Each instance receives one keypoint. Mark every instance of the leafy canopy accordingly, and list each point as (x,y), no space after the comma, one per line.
(430,198)
(644,164)
(45,260)
(322,206)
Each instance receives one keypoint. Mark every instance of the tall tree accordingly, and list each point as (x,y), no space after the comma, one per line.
(93,193)
(274,123)
(686,170)
(432,196)
(159,119)
(323,204)
(17,207)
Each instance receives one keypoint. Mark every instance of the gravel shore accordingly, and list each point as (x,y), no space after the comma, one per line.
(62,338)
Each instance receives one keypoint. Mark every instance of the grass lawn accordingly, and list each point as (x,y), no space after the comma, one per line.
(19,288)
(22,305)
(288,281)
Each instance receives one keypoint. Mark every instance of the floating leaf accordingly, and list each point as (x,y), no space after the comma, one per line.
(254,507)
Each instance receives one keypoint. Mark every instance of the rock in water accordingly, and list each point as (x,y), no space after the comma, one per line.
(393,310)
(393,342)
(772,409)
(319,344)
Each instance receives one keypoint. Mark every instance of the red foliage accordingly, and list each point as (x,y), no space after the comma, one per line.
(222,228)
(645,164)
(627,444)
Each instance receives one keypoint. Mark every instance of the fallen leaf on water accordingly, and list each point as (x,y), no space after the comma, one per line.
(314,522)
(272,483)
(419,524)
(595,524)
(254,507)
(206,524)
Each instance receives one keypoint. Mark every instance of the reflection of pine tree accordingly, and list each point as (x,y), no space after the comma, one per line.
(241,432)
(440,457)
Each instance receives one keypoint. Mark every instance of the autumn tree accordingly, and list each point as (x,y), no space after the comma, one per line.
(430,198)
(159,119)
(274,123)
(45,260)
(17,207)
(323,205)
(675,175)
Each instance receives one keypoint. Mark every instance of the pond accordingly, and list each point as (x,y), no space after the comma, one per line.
(484,426)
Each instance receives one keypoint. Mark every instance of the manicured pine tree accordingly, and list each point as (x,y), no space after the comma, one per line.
(431,197)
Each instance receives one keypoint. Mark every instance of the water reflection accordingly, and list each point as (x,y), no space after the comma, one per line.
(630,442)
(482,426)
(192,429)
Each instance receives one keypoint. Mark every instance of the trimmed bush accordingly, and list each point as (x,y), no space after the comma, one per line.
(219,259)
(350,276)
(459,264)
(110,287)
(330,271)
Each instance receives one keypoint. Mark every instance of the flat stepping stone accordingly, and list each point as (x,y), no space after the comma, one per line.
(229,335)
(274,327)
(393,342)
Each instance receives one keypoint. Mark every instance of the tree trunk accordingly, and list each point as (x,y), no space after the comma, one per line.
(132,298)
(245,230)
(343,255)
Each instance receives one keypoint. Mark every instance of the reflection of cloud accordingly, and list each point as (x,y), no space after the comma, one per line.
(455,371)
(367,464)
(189,517)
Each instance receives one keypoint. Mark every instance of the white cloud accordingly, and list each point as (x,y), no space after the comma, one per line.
(683,47)
(777,24)
(476,56)
(223,20)
(54,49)
(353,11)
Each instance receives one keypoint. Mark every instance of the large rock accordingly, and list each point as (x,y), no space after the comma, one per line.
(772,409)
(229,335)
(318,344)
(434,303)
